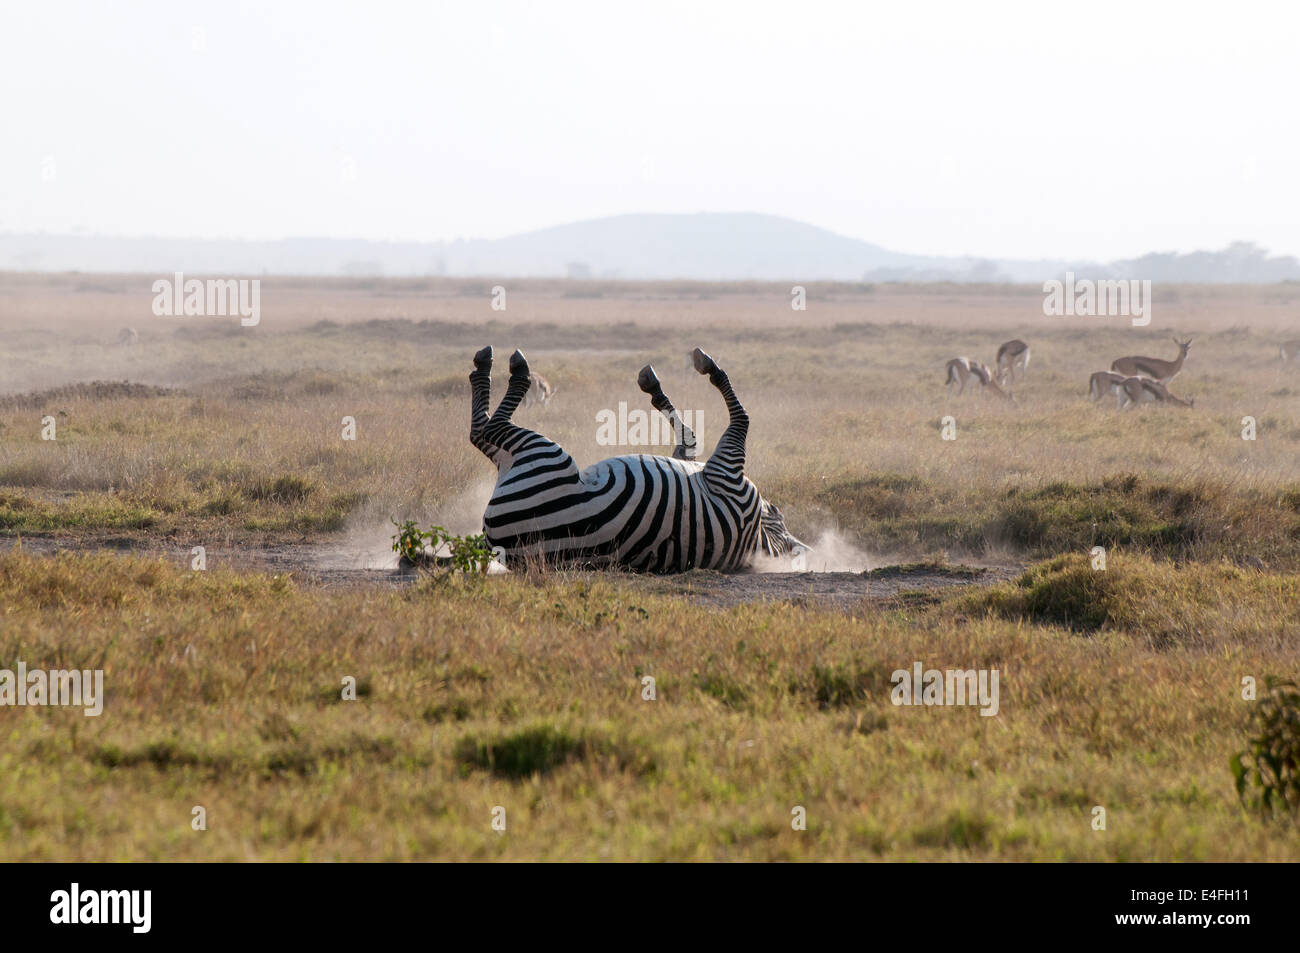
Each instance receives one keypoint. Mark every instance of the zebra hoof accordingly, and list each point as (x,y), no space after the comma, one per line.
(703,363)
(483,359)
(518,364)
(648,380)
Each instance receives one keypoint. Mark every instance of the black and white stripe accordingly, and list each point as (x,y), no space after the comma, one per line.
(641,512)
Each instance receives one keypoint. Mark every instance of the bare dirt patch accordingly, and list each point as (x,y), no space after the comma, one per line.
(841,590)
(338,567)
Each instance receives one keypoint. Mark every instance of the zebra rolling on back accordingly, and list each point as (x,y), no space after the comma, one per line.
(642,512)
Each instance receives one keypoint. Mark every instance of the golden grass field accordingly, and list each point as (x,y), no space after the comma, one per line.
(1119,689)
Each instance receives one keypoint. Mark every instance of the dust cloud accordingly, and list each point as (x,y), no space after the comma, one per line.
(830,553)
(368,538)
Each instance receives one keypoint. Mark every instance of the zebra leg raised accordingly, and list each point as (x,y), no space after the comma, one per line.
(480,383)
(648,381)
(726,468)
(534,476)
(500,425)
(520,450)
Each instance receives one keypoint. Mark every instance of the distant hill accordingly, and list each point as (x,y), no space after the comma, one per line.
(705,246)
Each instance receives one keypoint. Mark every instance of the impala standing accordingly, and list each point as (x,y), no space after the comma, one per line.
(1153,367)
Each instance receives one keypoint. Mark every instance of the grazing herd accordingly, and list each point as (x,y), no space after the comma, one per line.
(1011,356)
(962,369)
(1131,380)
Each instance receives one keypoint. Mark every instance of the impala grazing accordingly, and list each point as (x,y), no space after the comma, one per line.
(1012,355)
(1144,390)
(961,369)
(957,372)
(990,382)
(1105,383)
(1153,367)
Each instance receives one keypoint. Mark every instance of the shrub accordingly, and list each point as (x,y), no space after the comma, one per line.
(420,548)
(1267,773)
(540,749)
(1063,591)
(284,489)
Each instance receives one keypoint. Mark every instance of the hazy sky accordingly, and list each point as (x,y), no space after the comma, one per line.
(1010,130)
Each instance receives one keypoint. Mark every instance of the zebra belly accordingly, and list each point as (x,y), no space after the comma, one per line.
(643,512)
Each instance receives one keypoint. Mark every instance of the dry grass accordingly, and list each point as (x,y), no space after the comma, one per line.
(224,691)
(845,436)
(1119,689)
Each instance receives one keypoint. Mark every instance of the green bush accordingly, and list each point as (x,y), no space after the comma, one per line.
(420,548)
(540,749)
(1267,773)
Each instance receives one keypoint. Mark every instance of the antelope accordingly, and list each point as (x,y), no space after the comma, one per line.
(1153,367)
(961,369)
(957,372)
(128,337)
(1105,383)
(1144,390)
(1290,351)
(990,383)
(1011,355)
(540,390)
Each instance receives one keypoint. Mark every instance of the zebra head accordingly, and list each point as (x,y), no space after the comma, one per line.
(773,537)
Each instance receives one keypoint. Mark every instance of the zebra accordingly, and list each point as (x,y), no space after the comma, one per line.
(641,512)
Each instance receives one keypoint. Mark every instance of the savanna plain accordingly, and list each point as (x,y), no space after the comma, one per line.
(1120,688)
